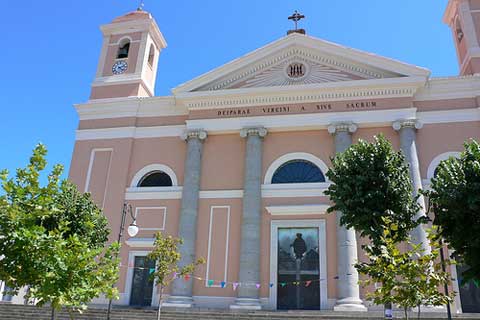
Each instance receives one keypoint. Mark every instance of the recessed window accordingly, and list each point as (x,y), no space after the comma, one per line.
(123,49)
(151,55)
(458,30)
(298,171)
(156,179)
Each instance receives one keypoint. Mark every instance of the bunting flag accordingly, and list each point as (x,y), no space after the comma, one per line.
(235,285)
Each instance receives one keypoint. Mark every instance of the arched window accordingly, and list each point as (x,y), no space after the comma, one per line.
(432,168)
(123,49)
(458,30)
(298,171)
(156,179)
(151,55)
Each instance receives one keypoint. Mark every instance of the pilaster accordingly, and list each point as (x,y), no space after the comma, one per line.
(249,275)
(348,291)
(182,291)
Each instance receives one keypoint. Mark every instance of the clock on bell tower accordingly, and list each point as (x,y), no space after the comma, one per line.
(129,58)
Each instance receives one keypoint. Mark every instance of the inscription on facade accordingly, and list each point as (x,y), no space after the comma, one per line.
(295,109)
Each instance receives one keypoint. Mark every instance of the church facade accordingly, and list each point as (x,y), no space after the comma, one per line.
(234,162)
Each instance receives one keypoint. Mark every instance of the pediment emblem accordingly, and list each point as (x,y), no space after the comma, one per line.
(296,71)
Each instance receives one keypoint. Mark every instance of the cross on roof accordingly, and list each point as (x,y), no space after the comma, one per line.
(141,5)
(296,16)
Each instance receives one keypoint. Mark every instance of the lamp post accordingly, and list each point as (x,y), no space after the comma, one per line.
(132,232)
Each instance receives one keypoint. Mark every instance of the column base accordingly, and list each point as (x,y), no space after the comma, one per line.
(350,305)
(246,304)
(178,302)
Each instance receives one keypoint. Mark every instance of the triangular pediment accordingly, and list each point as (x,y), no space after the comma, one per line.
(299,60)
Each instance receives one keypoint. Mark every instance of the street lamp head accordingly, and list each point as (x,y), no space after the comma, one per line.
(132,229)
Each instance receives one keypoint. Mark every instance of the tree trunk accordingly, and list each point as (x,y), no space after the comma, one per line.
(418,314)
(160,303)
(406,313)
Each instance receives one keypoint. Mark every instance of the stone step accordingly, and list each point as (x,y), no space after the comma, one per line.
(22,312)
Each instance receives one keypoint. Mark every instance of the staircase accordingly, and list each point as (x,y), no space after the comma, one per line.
(22,312)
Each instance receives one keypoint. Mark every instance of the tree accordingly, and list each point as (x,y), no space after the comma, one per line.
(370,181)
(370,185)
(408,278)
(166,256)
(53,239)
(455,200)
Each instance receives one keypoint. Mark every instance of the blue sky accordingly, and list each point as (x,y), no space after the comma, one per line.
(51,49)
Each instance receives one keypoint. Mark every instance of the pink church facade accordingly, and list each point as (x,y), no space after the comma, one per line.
(234,161)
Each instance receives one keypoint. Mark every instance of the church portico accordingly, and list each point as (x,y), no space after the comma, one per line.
(234,162)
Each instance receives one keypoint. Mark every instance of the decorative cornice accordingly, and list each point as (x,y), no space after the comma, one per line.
(342,127)
(330,91)
(407,123)
(328,53)
(194,134)
(259,131)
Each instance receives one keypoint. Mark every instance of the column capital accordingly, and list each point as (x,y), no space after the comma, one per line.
(349,127)
(258,131)
(197,134)
(407,123)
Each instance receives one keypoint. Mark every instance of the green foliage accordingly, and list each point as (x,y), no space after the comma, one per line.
(166,256)
(53,238)
(370,181)
(455,198)
(408,278)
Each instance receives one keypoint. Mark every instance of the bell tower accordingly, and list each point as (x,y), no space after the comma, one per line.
(463,17)
(129,58)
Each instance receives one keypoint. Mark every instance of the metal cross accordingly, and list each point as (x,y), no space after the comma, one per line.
(141,5)
(296,17)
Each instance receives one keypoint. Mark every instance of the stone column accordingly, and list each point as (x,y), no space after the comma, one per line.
(249,275)
(348,291)
(181,295)
(407,130)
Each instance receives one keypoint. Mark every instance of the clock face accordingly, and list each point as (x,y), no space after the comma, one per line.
(120,67)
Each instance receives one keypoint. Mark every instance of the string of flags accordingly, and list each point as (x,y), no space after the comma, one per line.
(234,285)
